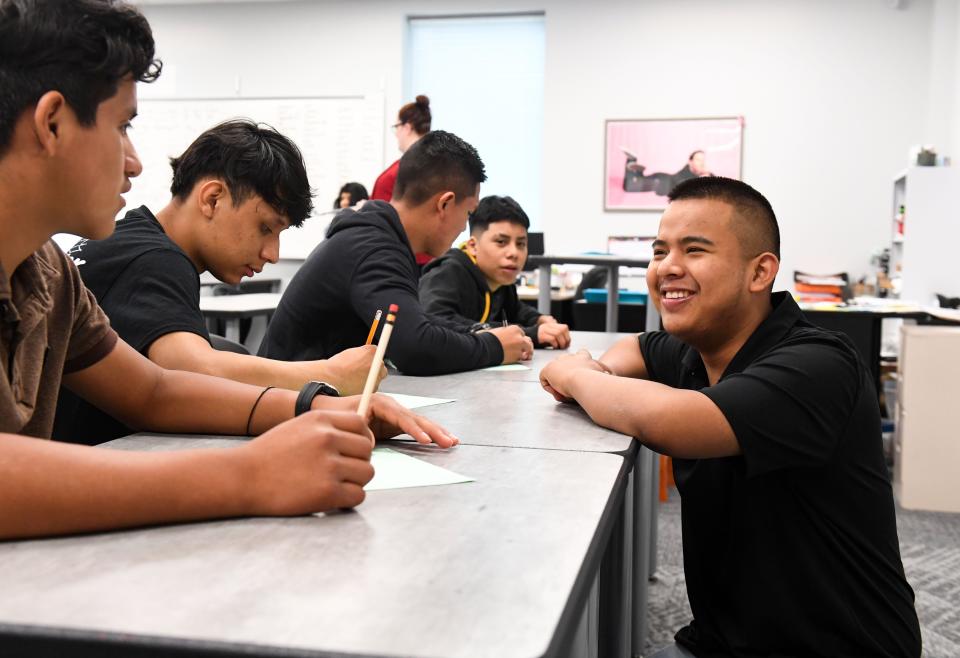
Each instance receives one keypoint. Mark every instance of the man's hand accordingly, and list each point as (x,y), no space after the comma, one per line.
(557,375)
(516,345)
(544,319)
(387,418)
(316,462)
(348,369)
(554,334)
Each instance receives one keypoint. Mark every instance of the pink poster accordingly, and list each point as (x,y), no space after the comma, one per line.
(646,158)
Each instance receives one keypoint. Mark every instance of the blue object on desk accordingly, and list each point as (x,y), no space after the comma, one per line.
(599,296)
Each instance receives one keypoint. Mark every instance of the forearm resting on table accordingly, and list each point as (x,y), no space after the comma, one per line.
(190,402)
(674,422)
(625,359)
(51,488)
(184,351)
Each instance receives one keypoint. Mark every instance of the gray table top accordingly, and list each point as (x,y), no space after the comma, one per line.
(523,415)
(488,568)
(597,342)
(227,306)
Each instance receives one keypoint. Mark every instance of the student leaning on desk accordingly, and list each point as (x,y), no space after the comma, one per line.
(235,189)
(68,71)
(789,534)
(474,287)
(367,263)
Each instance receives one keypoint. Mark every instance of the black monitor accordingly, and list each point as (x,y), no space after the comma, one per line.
(535,243)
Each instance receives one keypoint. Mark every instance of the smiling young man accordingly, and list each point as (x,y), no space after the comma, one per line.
(789,533)
(68,71)
(367,263)
(474,287)
(235,189)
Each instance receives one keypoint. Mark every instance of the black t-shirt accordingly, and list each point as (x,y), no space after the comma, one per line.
(148,287)
(789,549)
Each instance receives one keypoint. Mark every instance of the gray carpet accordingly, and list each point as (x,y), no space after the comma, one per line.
(929,545)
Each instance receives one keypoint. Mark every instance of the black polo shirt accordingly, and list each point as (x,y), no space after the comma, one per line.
(789,549)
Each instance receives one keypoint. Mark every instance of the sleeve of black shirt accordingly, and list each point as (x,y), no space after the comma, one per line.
(662,356)
(442,294)
(418,346)
(790,407)
(157,294)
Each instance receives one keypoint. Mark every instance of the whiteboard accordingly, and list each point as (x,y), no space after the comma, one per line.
(341,138)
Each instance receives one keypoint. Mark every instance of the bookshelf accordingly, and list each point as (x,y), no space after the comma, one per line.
(924,256)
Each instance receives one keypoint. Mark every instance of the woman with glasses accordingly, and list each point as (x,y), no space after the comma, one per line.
(413,122)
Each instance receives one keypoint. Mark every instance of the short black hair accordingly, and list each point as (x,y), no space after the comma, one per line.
(251,158)
(438,162)
(356,191)
(692,155)
(762,233)
(497,209)
(81,48)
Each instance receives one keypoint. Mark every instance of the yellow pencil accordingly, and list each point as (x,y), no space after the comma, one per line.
(373,327)
(377,361)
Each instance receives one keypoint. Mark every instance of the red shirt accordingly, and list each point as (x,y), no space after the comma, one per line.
(383,188)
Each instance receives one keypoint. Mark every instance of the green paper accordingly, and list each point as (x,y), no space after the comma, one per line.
(395,470)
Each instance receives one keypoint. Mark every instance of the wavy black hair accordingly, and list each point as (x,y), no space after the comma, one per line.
(252,159)
(81,48)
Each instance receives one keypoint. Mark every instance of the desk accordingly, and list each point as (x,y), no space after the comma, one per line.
(499,567)
(233,308)
(561,302)
(546,425)
(612,263)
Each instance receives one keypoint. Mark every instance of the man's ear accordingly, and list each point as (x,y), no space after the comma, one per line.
(764,270)
(445,201)
(210,193)
(472,246)
(50,116)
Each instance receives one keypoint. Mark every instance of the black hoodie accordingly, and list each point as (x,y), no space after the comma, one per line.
(365,265)
(453,288)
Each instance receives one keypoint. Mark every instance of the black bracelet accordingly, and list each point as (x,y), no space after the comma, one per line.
(254,408)
(309,391)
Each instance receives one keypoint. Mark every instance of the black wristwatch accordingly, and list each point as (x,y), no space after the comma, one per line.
(311,390)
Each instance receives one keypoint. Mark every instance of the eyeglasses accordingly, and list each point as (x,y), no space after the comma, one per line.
(397,125)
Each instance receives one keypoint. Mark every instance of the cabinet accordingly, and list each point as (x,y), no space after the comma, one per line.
(927,443)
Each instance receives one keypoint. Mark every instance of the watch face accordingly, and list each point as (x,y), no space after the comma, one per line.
(328,389)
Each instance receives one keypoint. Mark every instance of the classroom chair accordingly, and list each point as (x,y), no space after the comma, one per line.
(666,477)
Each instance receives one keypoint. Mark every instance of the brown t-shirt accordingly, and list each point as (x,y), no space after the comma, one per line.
(50,325)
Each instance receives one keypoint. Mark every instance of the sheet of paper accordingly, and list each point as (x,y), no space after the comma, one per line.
(395,470)
(417,401)
(510,367)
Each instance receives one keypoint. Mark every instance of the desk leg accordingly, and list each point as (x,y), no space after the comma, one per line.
(653,317)
(585,640)
(641,542)
(543,293)
(258,329)
(232,330)
(613,297)
(654,512)
(616,576)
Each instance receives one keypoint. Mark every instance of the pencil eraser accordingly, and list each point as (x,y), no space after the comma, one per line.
(394,308)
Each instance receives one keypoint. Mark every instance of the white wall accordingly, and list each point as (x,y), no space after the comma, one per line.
(834,93)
